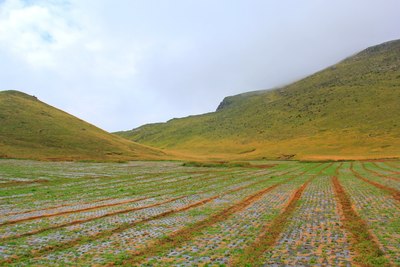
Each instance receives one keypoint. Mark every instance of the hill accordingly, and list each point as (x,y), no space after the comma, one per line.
(350,110)
(30,128)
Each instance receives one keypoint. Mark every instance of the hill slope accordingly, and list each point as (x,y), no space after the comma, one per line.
(30,128)
(349,110)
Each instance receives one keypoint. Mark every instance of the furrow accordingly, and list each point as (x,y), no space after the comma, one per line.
(394,192)
(72,204)
(313,234)
(121,228)
(72,211)
(271,231)
(58,206)
(368,252)
(384,169)
(82,220)
(380,174)
(58,226)
(188,233)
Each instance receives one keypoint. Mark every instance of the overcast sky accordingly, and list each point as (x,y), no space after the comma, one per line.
(122,63)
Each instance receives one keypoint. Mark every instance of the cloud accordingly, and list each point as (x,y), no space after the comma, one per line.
(36,33)
(120,64)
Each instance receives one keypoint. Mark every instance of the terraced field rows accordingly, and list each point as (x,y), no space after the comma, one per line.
(314,234)
(165,214)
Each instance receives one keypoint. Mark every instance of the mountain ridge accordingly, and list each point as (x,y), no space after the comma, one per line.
(33,129)
(357,98)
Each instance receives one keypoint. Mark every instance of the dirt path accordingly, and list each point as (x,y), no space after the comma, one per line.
(72,211)
(58,206)
(252,255)
(58,226)
(382,168)
(368,252)
(126,226)
(188,233)
(380,174)
(11,183)
(394,192)
(392,164)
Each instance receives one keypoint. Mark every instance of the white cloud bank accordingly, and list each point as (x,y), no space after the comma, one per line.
(36,33)
(120,64)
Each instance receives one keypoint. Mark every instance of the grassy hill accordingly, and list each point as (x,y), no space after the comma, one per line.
(350,110)
(30,128)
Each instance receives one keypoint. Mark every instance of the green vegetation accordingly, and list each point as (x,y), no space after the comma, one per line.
(32,129)
(225,164)
(164,214)
(348,111)
(368,251)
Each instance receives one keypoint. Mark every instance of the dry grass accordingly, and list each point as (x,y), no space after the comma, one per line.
(35,130)
(347,111)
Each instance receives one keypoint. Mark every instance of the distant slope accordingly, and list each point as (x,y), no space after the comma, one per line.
(349,110)
(30,128)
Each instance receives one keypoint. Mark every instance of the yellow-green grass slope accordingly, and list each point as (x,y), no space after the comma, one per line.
(32,129)
(348,111)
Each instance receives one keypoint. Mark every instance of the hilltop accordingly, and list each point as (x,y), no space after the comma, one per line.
(33,129)
(350,110)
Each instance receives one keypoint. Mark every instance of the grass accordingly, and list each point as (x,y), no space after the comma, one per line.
(185,234)
(347,111)
(165,207)
(33,129)
(225,164)
(393,191)
(253,255)
(368,251)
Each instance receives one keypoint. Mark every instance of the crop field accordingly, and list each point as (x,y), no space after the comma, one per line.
(282,213)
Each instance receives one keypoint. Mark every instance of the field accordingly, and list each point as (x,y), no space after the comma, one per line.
(166,214)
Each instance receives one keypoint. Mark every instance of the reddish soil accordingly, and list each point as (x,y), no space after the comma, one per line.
(395,193)
(11,183)
(380,174)
(271,232)
(392,171)
(124,227)
(363,243)
(92,218)
(71,211)
(187,233)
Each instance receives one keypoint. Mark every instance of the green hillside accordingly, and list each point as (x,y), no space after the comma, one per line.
(30,128)
(349,110)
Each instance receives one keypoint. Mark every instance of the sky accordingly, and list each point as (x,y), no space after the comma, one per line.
(124,63)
